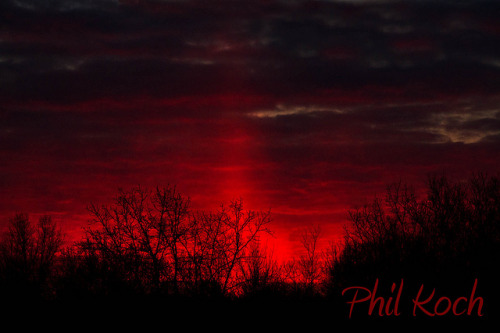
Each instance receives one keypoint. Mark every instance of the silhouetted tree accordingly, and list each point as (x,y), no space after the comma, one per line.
(451,234)
(305,273)
(218,243)
(138,236)
(262,276)
(27,256)
(310,263)
(152,239)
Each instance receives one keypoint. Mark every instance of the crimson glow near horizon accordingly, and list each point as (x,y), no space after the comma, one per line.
(307,108)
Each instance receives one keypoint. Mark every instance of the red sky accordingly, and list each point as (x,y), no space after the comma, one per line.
(309,108)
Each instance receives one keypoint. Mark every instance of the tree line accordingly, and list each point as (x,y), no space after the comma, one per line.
(150,242)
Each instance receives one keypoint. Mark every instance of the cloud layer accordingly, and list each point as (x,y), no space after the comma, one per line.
(305,107)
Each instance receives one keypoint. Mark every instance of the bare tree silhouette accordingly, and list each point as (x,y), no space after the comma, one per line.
(310,263)
(27,256)
(219,243)
(447,237)
(305,273)
(152,239)
(262,275)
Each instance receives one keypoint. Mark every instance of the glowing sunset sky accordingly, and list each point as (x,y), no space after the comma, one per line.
(309,108)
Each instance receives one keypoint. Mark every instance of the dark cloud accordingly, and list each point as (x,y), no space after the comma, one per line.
(308,107)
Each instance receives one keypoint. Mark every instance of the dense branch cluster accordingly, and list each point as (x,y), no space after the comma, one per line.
(450,233)
(155,241)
